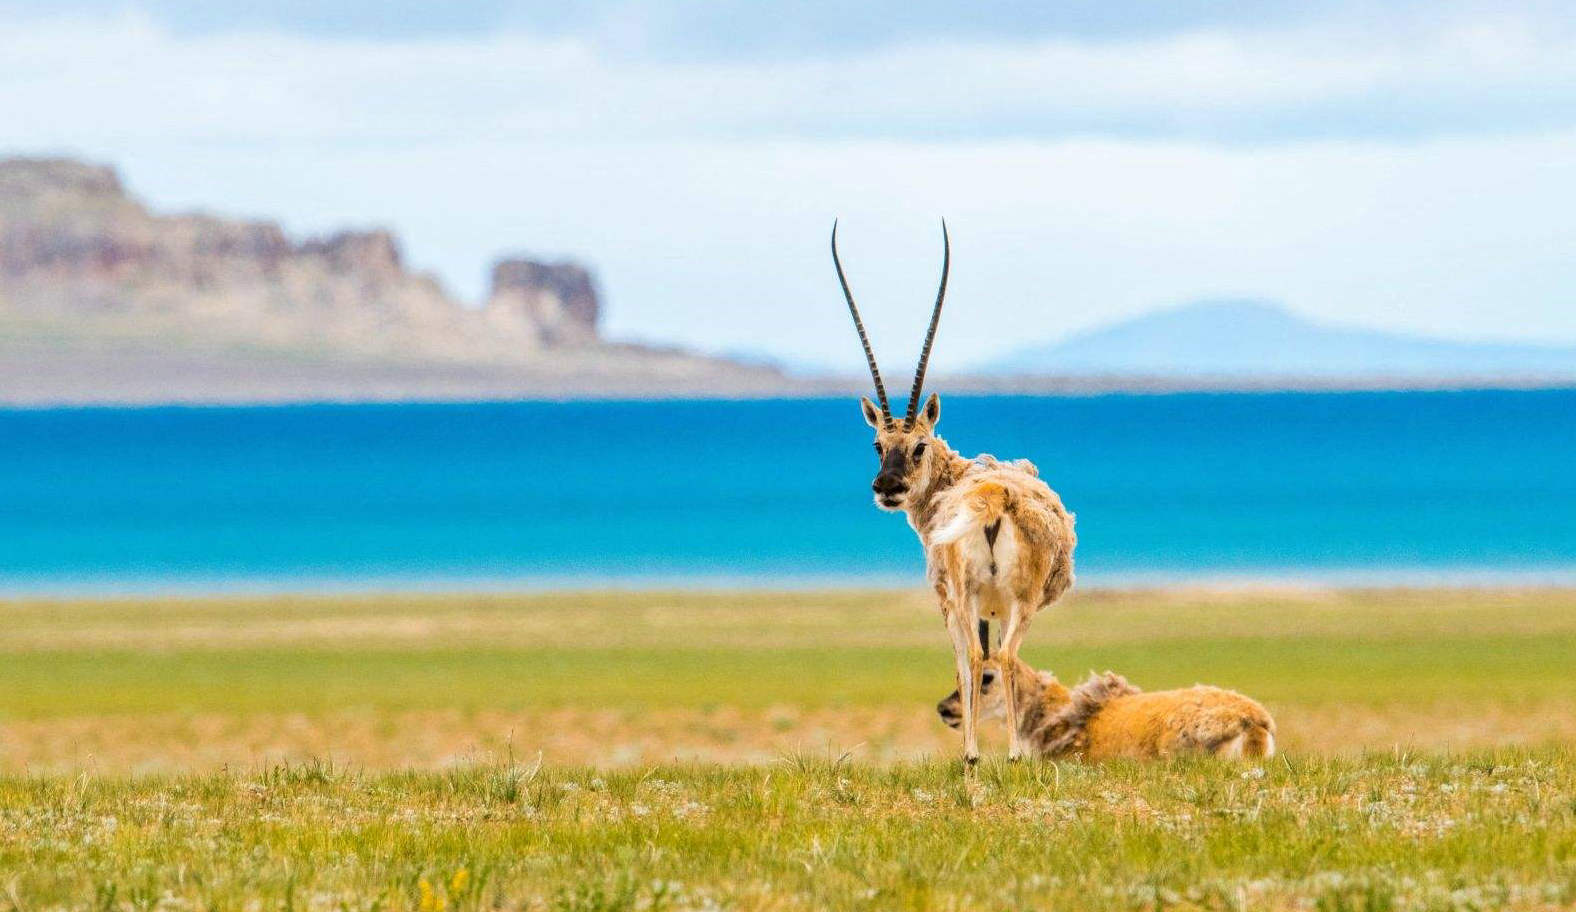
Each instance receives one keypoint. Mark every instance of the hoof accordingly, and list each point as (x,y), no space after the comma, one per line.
(972,761)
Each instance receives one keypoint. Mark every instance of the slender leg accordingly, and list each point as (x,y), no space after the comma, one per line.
(962,623)
(1016,626)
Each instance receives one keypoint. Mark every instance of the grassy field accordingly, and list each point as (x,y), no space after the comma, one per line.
(635,751)
(1484,831)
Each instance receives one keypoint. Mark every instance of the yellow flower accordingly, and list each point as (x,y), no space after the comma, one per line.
(430,900)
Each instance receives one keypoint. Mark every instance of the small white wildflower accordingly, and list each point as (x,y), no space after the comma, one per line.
(1256,772)
(923,796)
(690,809)
(639,810)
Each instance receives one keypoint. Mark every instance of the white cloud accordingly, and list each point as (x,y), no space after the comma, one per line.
(138,80)
(1416,180)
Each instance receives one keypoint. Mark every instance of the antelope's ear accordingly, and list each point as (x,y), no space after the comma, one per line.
(872,414)
(931,413)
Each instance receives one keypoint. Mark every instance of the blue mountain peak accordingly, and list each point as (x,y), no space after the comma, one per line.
(1247,337)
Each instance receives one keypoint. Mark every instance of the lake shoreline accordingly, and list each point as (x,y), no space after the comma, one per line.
(58,379)
(1204,585)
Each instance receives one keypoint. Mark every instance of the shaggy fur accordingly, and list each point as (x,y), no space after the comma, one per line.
(998,542)
(1107,717)
(1066,731)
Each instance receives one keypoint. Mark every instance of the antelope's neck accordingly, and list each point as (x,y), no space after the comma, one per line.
(1035,718)
(950,467)
(1037,701)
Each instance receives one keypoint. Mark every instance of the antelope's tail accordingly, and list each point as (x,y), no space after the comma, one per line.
(983,509)
(1258,741)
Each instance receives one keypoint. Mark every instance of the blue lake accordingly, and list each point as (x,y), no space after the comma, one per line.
(1381,487)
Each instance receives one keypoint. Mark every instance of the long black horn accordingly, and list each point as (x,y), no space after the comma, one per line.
(853,310)
(930,336)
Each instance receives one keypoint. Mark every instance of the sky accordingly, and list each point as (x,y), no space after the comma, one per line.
(1405,166)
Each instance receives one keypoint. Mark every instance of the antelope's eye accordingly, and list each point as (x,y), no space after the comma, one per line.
(878,449)
(988,678)
(919,449)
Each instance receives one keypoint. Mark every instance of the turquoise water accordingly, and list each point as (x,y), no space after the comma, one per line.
(1369,487)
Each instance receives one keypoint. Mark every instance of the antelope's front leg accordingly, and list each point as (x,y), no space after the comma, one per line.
(962,624)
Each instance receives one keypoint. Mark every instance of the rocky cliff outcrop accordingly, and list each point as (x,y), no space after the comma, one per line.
(77,250)
(559,299)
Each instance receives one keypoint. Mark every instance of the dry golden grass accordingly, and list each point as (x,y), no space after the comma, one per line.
(755,620)
(440,739)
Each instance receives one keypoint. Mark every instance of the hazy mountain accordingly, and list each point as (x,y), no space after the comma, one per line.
(1255,338)
(104,299)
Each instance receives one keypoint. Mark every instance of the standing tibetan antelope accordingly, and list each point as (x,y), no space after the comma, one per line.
(998,542)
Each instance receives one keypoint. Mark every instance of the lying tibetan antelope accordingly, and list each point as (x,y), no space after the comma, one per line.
(998,542)
(1107,717)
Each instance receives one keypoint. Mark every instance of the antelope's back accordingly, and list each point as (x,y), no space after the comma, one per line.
(1041,537)
(1044,525)
(1165,722)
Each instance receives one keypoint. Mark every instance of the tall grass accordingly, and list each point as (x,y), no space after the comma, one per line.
(1484,830)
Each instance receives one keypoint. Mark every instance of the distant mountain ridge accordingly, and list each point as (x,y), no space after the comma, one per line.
(76,248)
(1250,338)
(104,299)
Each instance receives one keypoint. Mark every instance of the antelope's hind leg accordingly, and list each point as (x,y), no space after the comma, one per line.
(1013,629)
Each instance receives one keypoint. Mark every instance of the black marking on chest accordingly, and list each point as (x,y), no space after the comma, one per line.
(991,531)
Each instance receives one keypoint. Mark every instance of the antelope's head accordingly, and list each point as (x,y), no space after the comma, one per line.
(1031,686)
(903,447)
(905,452)
(993,705)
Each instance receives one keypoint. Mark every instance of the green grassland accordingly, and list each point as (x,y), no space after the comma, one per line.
(770,751)
(1481,831)
(1345,670)
(752,650)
